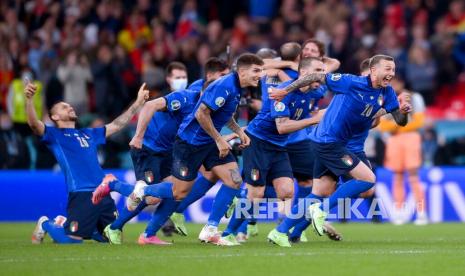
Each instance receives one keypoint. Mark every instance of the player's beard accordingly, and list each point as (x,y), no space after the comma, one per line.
(72,116)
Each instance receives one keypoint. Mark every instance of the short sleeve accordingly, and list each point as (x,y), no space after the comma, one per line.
(215,96)
(97,134)
(175,101)
(48,136)
(339,83)
(390,102)
(279,109)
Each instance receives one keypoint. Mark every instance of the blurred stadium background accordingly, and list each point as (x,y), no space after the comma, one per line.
(111,46)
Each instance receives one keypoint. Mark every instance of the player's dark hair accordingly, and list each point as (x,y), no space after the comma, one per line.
(290,51)
(214,65)
(247,59)
(175,65)
(377,58)
(306,62)
(52,109)
(320,45)
(365,64)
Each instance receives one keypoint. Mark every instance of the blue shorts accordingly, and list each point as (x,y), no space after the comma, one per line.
(84,217)
(151,166)
(362,156)
(302,159)
(264,162)
(333,159)
(188,158)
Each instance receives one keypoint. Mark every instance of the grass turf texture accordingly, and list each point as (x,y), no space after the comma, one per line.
(381,249)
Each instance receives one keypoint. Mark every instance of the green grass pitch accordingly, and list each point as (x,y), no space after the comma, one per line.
(381,249)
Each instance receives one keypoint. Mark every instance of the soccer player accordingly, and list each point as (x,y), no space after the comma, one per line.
(151,151)
(76,152)
(199,143)
(266,159)
(357,99)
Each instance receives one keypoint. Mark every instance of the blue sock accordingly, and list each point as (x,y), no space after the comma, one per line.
(96,236)
(269,192)
(238,219)
(223,200)
(161,215)
(303,192)
(121,187)
(200,188)
(57,233)
(301,205)
(125,215)
(243,227)
(160,190)
(348,189)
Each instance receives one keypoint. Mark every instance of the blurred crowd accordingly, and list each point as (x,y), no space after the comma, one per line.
(95,54)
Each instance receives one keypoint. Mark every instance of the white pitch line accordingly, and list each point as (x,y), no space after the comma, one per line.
(210,256)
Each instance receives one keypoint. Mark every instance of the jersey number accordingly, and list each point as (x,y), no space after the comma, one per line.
(83,142)
(298,113)
(367,111)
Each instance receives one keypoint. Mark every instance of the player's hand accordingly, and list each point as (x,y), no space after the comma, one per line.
(406,108)
(229,137)
(245,140)
(136,143)
(223,147)
(30,89)
(276,94)
(143,94)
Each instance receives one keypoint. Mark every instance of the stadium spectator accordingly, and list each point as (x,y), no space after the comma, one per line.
(420,72)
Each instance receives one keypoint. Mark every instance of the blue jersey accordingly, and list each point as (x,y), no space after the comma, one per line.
(163,126)
(293,74)
(197,85)
(296,106)
(302,135)
(222,97)
(356,144)
(76,152)
(352,109)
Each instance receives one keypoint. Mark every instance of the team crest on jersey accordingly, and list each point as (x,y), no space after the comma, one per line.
(183,171)
(219,101)
(148,176)
(380,100)
(74,226)
(279,107)
(175,105)
(347,160)
(310,105)
(336,77)
(255,174)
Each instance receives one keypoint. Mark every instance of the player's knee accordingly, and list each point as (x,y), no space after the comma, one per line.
(180,193)
(210,176)
(255,193)
(284,193)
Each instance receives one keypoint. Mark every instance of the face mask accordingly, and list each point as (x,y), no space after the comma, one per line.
(179,84)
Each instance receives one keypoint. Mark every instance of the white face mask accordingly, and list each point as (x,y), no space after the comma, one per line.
(179,84)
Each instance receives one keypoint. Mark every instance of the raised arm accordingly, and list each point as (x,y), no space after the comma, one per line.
(37,126)
(203,116)
(305,80)
(332,64)
(145,115)
(122,120)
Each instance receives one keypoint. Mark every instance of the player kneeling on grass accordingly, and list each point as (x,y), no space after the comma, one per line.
(76,152)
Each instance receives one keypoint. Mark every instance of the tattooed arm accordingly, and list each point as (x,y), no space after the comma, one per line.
(305,80)
(203,116)
(122,120)
(232,125)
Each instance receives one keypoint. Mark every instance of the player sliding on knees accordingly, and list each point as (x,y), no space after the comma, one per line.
(76,153)
(357,99)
